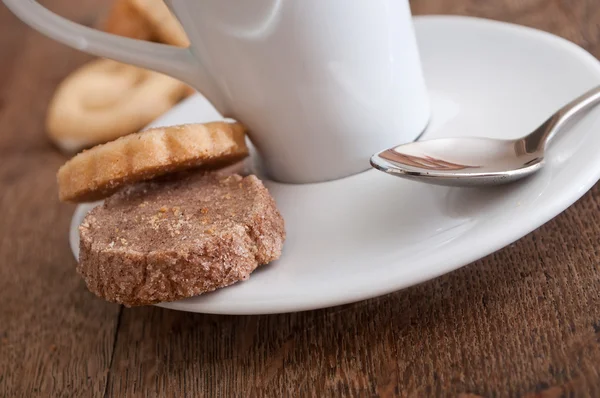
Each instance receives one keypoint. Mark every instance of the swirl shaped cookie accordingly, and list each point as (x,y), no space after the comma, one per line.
(104,100)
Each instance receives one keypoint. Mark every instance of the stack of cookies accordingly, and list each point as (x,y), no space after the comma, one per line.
(173,224)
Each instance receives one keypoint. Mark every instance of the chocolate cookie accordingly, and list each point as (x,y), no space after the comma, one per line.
(178,237)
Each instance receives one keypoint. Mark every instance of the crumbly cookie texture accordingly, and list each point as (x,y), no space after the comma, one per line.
(97,173)
(178,237)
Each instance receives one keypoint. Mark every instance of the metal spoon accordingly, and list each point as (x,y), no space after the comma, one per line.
(479,161)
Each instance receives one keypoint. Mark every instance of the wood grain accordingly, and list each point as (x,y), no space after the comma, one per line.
(524,321)
(55,339)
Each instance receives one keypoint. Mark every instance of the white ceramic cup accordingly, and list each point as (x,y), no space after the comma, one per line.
(320,84)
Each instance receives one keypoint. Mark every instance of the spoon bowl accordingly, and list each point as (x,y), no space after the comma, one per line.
(474,161)
(460,161)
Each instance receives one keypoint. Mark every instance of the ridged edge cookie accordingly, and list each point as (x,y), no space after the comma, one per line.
(100,171)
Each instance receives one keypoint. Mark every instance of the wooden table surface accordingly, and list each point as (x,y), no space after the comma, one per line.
(524,321)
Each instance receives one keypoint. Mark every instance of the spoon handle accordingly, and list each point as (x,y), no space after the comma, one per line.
(543,134)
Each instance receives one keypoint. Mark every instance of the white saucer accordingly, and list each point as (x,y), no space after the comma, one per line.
(372,233)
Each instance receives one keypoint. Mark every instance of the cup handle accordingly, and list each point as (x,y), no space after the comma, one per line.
(176,62)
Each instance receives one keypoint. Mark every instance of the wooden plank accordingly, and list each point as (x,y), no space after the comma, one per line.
(55,338)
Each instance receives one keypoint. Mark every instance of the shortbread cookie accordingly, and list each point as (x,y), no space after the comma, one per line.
(166,27)
(104,100)
(102,170)
(124,20)
(166,240)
